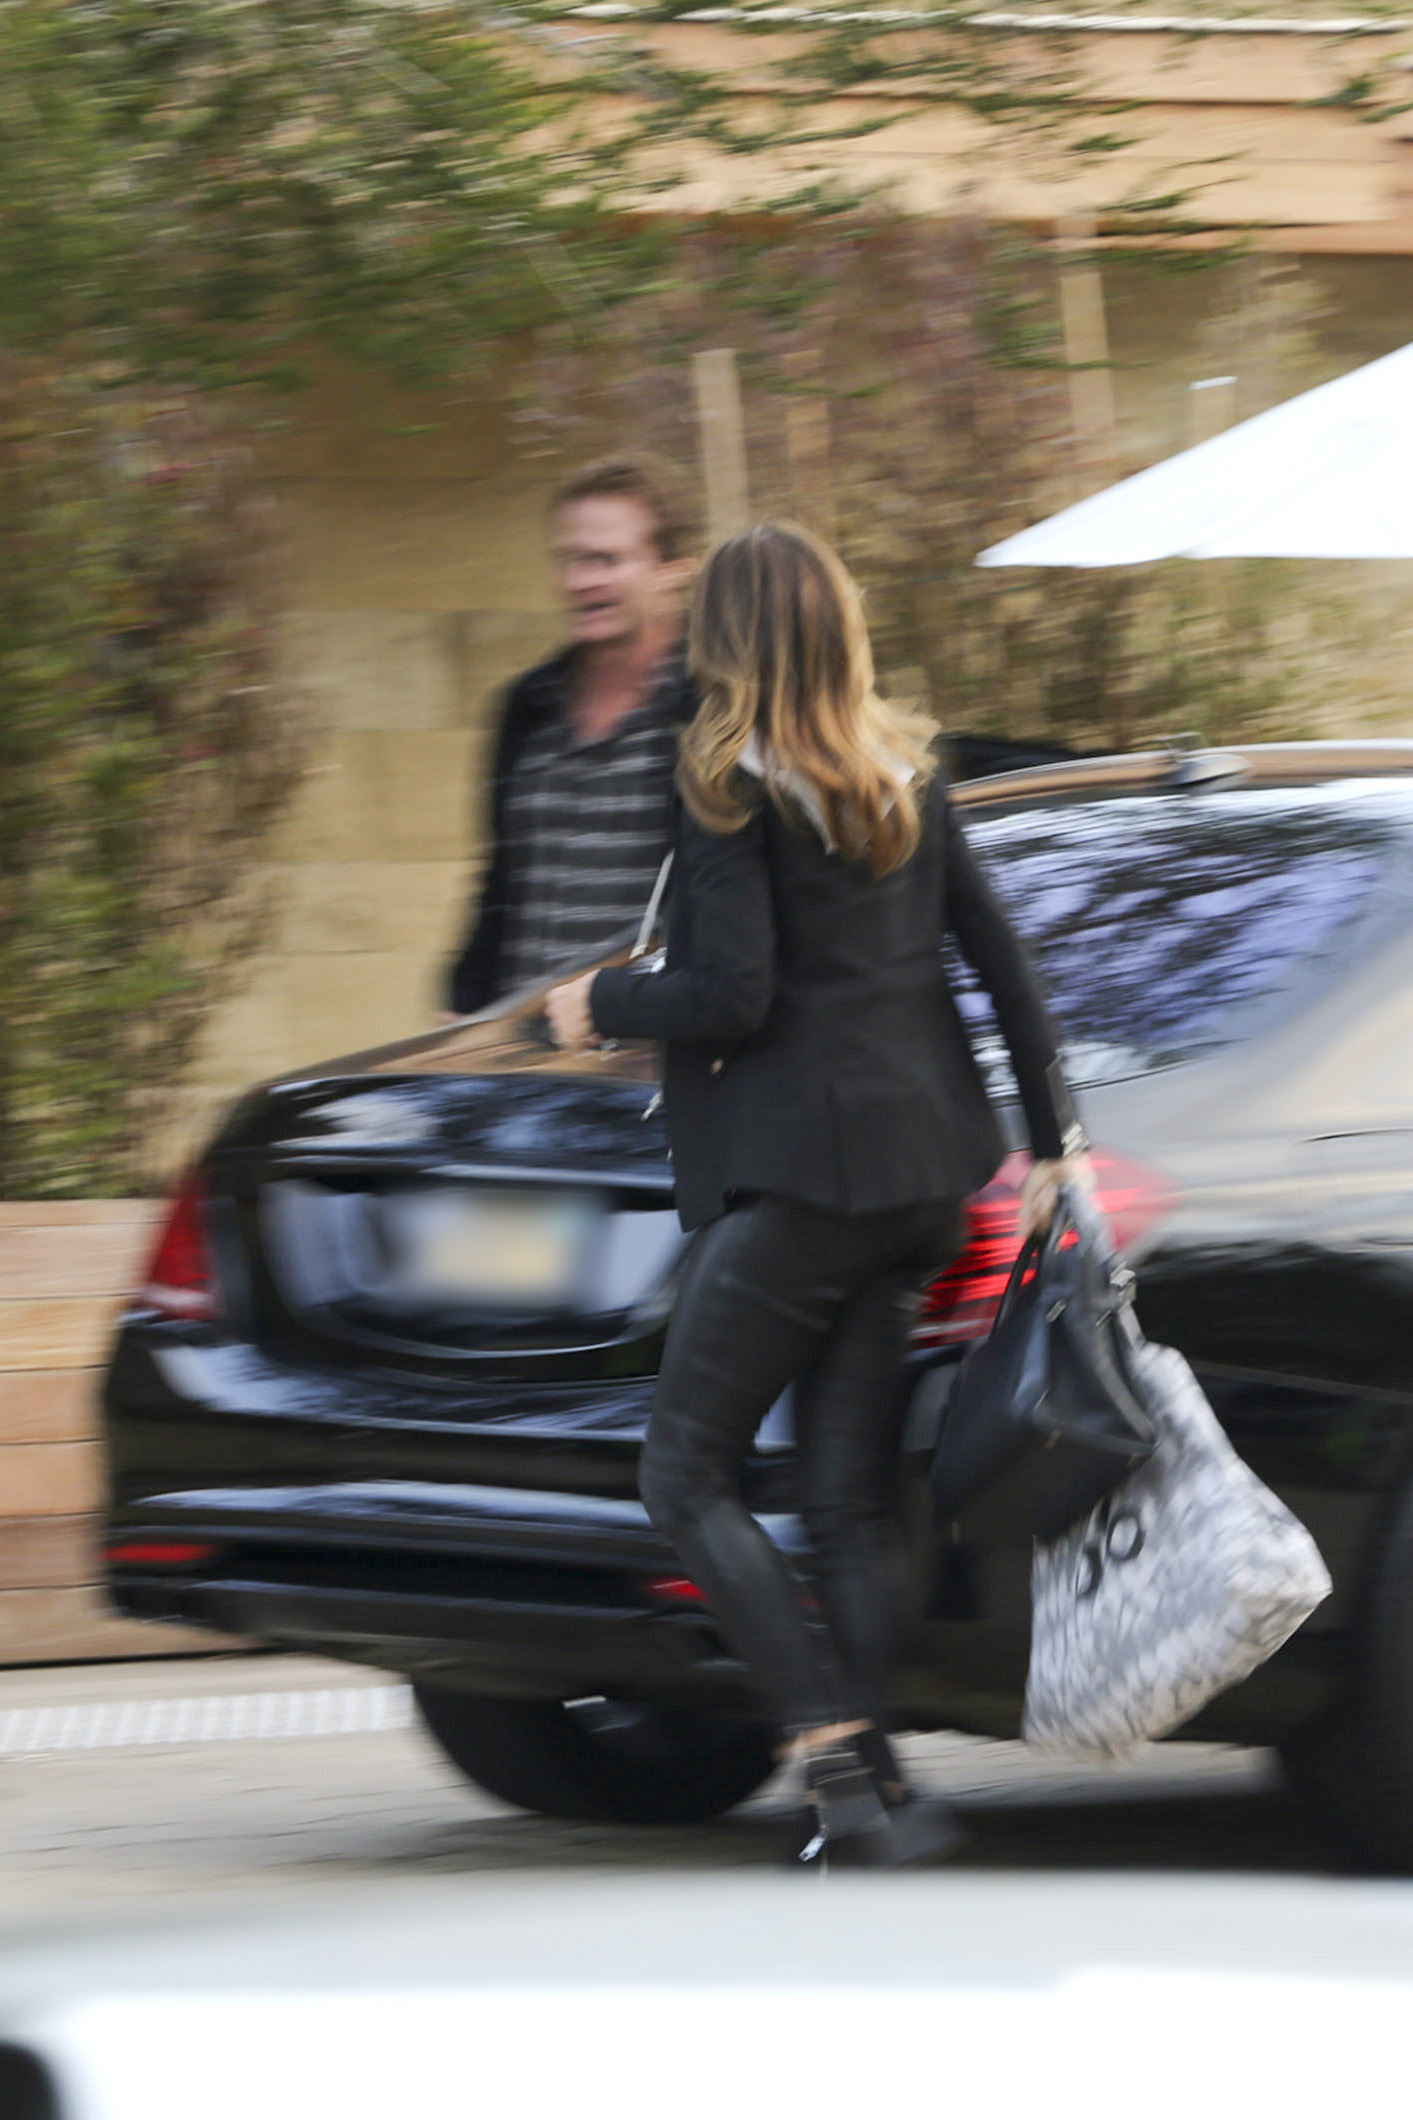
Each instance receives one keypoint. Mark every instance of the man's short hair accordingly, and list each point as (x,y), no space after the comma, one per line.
(650,481)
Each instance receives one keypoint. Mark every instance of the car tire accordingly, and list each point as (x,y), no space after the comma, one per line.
(612,1762)
(1353,1768)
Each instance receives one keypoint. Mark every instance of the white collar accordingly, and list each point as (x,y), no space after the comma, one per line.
(756,761)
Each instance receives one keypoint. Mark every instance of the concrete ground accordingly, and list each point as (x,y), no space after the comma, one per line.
(149,1789)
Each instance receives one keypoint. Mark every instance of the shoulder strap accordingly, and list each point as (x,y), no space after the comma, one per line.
(650,912)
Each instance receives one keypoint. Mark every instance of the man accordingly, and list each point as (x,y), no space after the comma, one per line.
(581,800)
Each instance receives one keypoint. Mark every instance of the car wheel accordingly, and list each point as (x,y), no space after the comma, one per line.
(605,1760)
(1354,1767)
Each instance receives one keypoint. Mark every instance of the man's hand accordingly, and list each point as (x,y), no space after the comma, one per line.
(1040,1192)
(567,1007)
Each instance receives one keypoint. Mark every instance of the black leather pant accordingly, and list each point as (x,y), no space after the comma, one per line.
(773,1292)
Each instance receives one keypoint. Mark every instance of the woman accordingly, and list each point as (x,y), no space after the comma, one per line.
(826,1119)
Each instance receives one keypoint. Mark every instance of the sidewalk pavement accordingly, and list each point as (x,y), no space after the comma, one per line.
(140,1791)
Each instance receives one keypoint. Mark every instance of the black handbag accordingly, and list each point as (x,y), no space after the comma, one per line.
(1045,1417)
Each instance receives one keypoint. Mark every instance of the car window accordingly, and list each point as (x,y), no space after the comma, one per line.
(1158,921)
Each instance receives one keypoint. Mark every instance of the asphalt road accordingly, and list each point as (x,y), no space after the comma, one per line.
(155,1788)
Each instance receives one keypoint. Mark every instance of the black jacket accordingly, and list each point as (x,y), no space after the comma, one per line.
(814,1047)
(473,977)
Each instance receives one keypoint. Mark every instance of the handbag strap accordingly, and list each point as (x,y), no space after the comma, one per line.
(650,912)
(1112,1283)
(1026,1260)
(1112,1287)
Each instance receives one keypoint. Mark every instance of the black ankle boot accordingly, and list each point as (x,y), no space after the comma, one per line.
(885,1767)
(853,1827)
(847,1814)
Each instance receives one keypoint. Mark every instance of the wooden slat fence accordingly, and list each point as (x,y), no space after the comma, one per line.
(64,1265)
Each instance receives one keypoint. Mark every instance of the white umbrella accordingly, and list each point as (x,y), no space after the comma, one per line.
(1327,475)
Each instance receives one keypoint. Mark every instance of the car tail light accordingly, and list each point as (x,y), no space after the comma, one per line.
(159,1553)
(179,1280)
(960,1305)
(674,1590)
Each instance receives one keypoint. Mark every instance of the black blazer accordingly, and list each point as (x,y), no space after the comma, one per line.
(814,1047)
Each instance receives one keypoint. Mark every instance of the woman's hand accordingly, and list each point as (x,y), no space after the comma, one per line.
(570,1020)
(1040,1192)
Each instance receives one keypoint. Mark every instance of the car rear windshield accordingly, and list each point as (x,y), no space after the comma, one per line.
(1161,923)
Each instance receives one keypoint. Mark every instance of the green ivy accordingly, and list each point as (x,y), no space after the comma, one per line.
(143,750)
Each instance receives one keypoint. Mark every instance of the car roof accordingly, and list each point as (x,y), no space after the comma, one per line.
(1177,766)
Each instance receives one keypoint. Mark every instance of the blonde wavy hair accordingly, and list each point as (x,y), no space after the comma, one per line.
(780,652)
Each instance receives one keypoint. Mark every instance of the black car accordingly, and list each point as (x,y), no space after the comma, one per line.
(382,1394)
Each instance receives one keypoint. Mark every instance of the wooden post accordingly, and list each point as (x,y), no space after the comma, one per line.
(1086,348)
(807,440)
(721,430)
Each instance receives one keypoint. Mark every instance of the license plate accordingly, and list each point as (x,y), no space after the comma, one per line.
(502,1248)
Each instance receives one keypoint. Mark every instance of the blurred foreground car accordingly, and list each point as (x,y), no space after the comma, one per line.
(382,1394)
(747,1995)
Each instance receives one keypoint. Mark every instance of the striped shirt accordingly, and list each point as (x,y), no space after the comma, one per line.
(586,828)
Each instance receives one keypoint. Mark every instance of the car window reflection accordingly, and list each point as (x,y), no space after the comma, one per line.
(1156,921)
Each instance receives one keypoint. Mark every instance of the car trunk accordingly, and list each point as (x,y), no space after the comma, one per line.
(477,1270)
